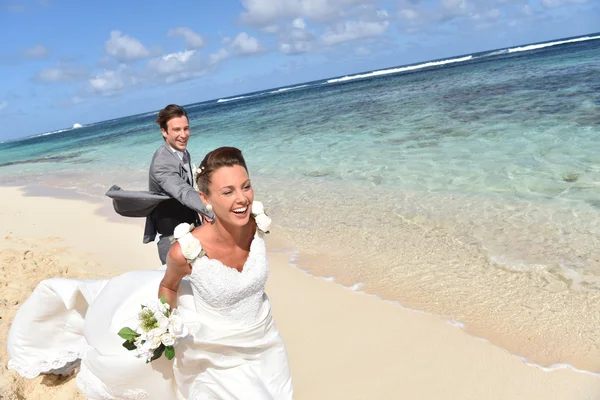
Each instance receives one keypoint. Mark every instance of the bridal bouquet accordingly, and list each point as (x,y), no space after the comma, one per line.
(157,333)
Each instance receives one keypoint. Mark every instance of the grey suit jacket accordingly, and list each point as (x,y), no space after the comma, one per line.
(169,176)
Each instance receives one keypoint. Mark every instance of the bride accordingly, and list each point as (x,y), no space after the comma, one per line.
(233,349)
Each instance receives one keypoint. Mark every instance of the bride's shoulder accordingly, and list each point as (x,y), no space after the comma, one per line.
(188,241)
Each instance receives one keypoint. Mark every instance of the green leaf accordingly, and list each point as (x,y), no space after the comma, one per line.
(163,299)
(129,345)
(157,353)
(169,352)
(128,334)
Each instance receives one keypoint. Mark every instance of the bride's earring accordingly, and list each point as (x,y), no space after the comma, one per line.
(209,207)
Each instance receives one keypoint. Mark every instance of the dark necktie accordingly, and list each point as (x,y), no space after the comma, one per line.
(186,165)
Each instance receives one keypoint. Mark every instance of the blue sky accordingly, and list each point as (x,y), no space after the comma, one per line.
(66,62)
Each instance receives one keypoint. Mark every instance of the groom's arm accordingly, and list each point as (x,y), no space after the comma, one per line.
(167,176)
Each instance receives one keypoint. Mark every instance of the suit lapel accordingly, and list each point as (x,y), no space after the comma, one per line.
(184,169)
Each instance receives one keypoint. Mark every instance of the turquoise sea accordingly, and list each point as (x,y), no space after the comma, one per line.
(467,187)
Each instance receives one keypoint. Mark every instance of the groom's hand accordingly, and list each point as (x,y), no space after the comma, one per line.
(207,220)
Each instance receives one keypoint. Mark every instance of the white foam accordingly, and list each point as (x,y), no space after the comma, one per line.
(574,276)
(232,99)
(542,45)
(285,89)
(519,265)
(495,53)
(51,133)
(557,366)
(400,69)
(455,323)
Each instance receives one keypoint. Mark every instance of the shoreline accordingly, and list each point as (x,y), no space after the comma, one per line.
(278,245)
(333,335)
(355,288)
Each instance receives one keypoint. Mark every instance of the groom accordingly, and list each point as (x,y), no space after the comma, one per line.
(171,174)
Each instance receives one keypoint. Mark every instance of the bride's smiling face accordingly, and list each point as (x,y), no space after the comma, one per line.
(230,194)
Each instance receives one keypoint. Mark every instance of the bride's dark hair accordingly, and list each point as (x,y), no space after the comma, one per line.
(221,157)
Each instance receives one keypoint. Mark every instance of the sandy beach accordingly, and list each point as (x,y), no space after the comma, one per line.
(341,344)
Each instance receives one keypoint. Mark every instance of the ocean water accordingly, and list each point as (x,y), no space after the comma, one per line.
(467,187)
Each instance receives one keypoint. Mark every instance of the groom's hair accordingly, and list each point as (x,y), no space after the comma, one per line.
(221,157)
(169,112)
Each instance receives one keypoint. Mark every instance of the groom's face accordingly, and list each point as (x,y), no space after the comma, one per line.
(177,133)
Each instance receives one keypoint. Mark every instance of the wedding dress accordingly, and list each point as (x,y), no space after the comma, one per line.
(233,351)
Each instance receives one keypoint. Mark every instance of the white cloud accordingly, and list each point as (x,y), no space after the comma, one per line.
(418,16)
(176,67)
(408,14)
(296,39)
(218,56)
(60,74)
(558,3)
(180,57)
(266,12)
(37,51)
(272,29)
(181,66)
(167,69)
(125,48)
(353,30)
(111,82)
(246,45)
(294,47)
(455,8)
(299,23)
(455,5)
(412,17)
(336,21)
(192,39)
(3,105)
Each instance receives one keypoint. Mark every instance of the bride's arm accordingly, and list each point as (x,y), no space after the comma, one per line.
(177,268)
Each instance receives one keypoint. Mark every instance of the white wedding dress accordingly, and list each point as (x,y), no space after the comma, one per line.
(233,351)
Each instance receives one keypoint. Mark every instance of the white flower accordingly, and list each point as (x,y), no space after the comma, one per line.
(181,230)
(257,208)
(138,343)
(152,306)
(167,339)
(190,247)
(163,322)
(163,307)
(154,338)
(195,173)
(263,221)
(145,350)
(176,326)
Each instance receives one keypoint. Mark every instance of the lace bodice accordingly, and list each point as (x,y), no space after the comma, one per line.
(235,295)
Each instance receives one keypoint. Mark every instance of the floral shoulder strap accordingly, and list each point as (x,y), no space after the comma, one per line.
(191,248)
